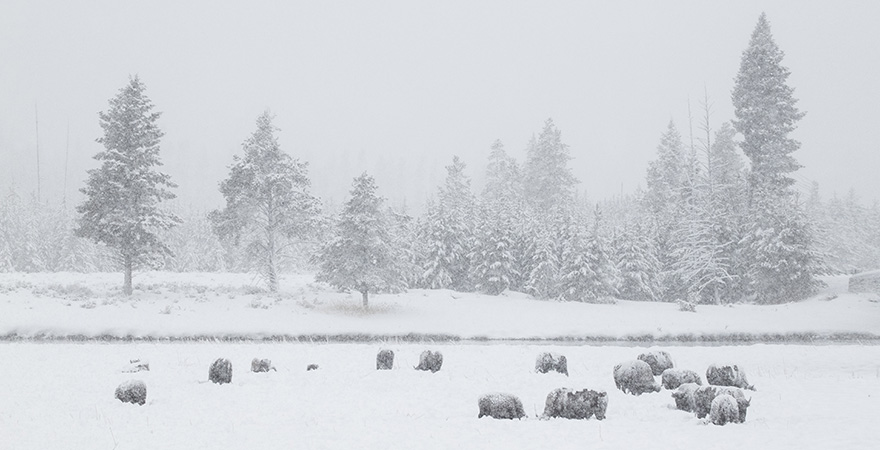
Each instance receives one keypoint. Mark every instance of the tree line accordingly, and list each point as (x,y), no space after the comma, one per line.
(709,227)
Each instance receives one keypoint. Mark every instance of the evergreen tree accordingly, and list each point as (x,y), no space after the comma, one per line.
(268,205)
(362,255)
(121,209)
(548,181)
(782,262)
(543,279)
(449,233)
(778,250)
(766,113)
(492,259)
(637,265)
(503,179)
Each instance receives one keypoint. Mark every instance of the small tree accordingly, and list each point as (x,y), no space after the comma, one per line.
(123,195)
(268,204)
(362,255)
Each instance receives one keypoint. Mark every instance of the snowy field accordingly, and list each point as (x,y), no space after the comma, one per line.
(182,305)
(61,397)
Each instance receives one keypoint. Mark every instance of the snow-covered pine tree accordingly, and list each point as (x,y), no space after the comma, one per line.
(782,261)
(543,280)
(766,113)
(548,182)
(121,209)
(448,233)
(637,264)
(492,258)
(503,180)
(667,196)
(779,251)
(361,255)
(268,205)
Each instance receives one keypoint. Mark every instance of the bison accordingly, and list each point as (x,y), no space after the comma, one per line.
(551,361)
(501,406)
(728,376)
(568,404)
(724,410)
(385,360)
(635,377)
(261,365)
(220,371)
(673,378)
(133,391)
(659,361)
(685,397)
(430,361)
(704,396)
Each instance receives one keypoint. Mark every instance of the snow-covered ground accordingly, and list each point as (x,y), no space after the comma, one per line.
(230,305)
(61,396)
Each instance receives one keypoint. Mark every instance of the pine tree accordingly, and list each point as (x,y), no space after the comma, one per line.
(123,194)
(503,179)
(778,250)
(448,234)
(547,179)
(268,205)
(362,255)
(637,265)
(543,279)
(766,113)
(492,259)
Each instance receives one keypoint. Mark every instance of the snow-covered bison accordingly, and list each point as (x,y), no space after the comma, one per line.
(659,361)
(724,410)
(551,361)
(221,371)
(568,404)
(385,360)
(673,378)
(133,391)
(635,377)
(430,361)
(261,365)
(728,376)
(704,396)
(685,397)
(501,406)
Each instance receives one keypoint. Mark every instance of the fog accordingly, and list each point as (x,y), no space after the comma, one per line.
(397,88)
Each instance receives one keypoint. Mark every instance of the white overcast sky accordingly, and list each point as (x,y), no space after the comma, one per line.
(397,88)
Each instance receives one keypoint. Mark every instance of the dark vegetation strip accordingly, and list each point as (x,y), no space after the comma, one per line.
(668,339)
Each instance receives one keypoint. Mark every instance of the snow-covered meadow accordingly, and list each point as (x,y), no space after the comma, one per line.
(808,397)
(222,305)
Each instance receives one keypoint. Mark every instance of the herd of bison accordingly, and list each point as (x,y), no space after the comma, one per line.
(722,399)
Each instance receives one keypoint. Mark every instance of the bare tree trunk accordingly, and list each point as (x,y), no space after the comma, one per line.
(127,265)
(271,270)
(364,294)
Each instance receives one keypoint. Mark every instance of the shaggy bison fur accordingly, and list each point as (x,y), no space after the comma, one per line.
(635,377)
(568,404)
(221,371)
(704,396)
(385,360)
(685,397)
(673,378)
(501,406)
(133,391)
(311,367)
(659,361)
(728,376)
(261,365)
(430,361)
(724,410)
